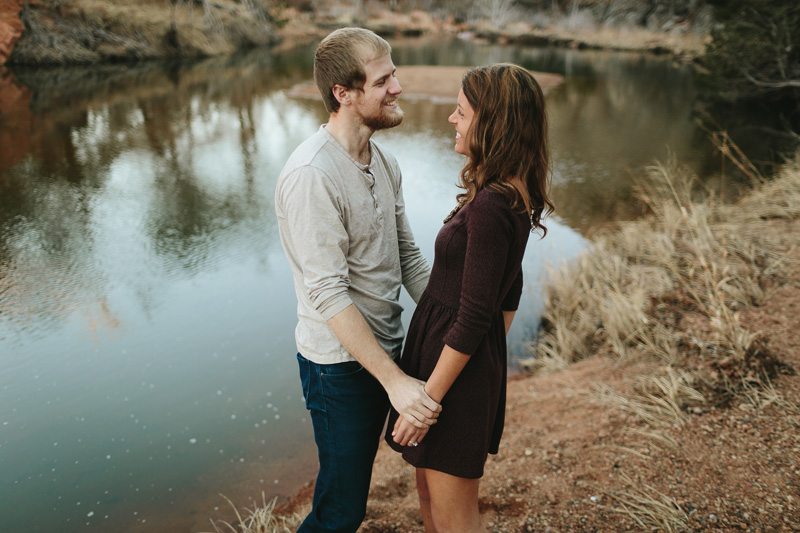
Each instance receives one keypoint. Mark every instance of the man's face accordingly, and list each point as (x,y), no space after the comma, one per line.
(377,104)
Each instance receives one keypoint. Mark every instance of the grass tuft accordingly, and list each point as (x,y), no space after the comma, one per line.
(661,402)
(651,509)
(258,520)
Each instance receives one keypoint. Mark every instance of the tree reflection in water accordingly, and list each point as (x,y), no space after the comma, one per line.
(140,131)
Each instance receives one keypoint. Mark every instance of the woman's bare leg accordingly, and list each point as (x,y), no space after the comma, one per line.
(453,502)
(424,501)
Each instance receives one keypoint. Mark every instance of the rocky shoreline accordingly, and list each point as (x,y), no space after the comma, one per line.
(685,44)
(35,32)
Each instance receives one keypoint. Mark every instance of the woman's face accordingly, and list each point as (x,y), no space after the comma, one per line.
(461,118)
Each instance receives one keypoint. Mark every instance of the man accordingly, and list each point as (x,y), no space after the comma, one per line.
(342,223)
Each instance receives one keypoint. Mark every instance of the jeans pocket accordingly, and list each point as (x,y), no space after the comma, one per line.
(348,368)
(348,383)
(309,379)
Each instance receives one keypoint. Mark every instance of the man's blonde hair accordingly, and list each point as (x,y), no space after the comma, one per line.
(340,59)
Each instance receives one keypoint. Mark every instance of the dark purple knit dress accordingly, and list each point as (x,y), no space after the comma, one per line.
(476,275)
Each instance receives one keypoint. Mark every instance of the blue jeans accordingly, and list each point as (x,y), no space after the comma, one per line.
(348,410)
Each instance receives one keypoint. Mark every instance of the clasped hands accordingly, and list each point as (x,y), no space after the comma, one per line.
(418,412)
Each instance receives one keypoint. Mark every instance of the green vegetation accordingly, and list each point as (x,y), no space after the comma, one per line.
(755,53)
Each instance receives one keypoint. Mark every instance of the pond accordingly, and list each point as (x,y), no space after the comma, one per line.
(146,308)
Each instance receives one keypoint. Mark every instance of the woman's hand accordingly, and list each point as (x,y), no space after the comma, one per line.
(406,433)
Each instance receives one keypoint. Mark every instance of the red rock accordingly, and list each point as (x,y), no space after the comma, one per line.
(11,27)
(16,118)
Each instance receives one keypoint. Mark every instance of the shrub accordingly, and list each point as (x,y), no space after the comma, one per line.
(755,51)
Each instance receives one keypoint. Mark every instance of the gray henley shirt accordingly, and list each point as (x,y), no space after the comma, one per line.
(345,233)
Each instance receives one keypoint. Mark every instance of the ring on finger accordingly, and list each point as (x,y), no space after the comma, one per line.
(412,443)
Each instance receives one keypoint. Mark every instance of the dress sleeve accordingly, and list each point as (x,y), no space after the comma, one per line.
(514,294)
(313,209)
(489,233)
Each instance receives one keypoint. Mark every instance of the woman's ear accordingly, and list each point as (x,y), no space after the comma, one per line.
(341,94)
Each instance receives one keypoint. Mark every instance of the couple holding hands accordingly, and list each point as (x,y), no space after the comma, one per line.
(344,230)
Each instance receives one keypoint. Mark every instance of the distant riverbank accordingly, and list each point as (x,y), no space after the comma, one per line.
(90,31)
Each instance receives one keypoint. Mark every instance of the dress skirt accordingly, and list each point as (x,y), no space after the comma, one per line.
(473,410)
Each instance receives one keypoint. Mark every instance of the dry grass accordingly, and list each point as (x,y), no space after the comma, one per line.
(651,509)
(713,257)
(761,393)
(630,293)
(258,520)
(662,402)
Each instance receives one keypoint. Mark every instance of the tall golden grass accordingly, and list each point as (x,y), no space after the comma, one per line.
(694,252)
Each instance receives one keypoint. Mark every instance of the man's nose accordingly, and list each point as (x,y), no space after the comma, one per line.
(394,87)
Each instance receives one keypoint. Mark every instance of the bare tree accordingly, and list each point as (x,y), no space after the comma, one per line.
(499,12)
(757,50)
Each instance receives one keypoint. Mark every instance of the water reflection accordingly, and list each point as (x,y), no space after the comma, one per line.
(146,309)
(137,268)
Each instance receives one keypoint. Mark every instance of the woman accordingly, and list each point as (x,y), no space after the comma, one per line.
(456,339)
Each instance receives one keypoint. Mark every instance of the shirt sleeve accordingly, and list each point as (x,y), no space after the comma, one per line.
(414,267)
(313,209)
(489,232)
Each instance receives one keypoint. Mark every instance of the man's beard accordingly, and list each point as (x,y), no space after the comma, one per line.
(383,120)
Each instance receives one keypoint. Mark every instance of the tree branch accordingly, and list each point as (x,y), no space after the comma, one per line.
(772,84)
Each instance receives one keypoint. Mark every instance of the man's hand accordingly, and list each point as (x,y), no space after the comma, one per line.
(409,398)
(407,394)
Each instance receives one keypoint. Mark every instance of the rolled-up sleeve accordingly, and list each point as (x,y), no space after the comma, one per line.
(489,233)
(312,207)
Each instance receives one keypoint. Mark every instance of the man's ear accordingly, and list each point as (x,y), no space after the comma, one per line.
(342,94)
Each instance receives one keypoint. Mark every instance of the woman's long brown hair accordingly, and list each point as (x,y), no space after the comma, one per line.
(507,138)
